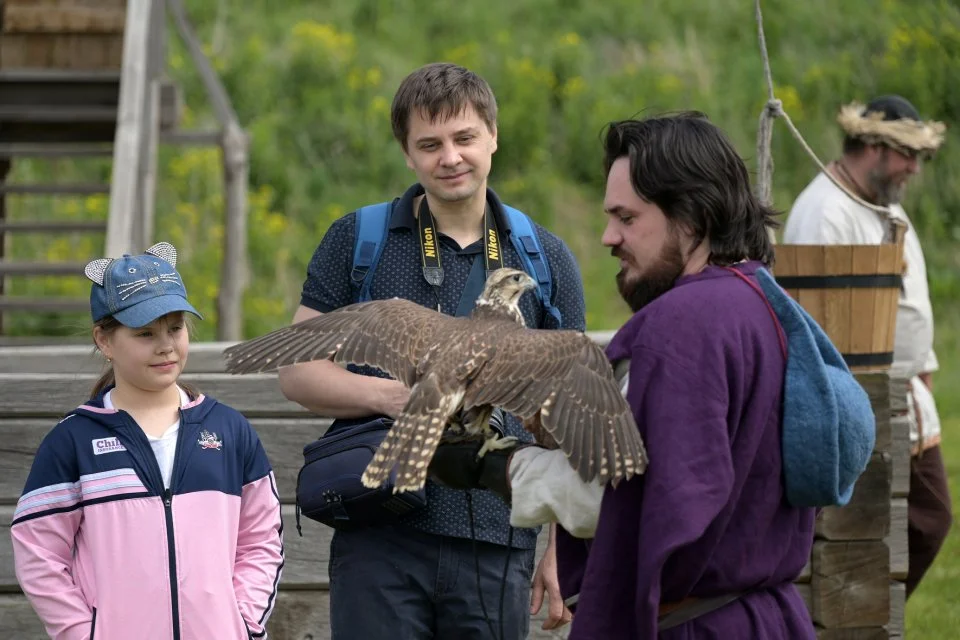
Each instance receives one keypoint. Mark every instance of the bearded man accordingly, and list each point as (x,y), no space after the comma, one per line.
(716,364)
(884,147)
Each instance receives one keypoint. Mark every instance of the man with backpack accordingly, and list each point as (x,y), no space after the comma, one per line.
(453,568)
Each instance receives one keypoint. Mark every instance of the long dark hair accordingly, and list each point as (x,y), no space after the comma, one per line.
(108,325)
(687,167)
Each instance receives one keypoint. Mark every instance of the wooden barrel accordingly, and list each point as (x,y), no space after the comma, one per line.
(851,291)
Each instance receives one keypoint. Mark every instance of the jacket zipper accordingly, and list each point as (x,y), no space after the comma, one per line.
(167,494)
(171,553)
(93,623)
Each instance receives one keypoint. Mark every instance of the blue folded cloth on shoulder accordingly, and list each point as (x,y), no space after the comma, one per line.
(829,428)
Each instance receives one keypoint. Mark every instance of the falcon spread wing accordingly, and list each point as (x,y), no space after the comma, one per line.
(560,381)
(564,381)
(391,335)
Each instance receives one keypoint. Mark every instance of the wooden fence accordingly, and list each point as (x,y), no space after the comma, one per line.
(852,584)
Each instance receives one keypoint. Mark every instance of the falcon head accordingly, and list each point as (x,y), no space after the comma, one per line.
(504,288)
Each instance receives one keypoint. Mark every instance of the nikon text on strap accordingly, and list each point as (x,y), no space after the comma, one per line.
(433,268)
(372,229)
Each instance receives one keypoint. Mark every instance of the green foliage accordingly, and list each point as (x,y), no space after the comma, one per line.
(312,82)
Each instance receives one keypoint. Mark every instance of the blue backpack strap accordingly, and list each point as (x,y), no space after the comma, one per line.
(528,247)
(370,235)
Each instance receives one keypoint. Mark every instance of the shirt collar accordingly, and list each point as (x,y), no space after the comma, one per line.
(403,218)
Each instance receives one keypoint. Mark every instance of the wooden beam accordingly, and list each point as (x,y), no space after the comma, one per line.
(283,439)
(233,268)
(52,395)
(131,134)
(216,93)
(867,515)
(65,18)
(850,584)
(4,170)
(205,357)
(25,303)
(206,138)
(143,236)
(61,51)
(52,226)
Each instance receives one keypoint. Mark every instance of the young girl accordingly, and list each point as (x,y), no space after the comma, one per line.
(151,511)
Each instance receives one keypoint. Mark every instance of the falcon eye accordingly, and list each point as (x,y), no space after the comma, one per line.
(516,277)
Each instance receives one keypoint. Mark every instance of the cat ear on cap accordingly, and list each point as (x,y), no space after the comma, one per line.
(166,251)
(96,269)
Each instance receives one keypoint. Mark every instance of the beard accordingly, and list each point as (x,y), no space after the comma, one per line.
(656,280)
(888,188)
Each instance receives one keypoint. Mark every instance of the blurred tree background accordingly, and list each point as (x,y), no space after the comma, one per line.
(312,82)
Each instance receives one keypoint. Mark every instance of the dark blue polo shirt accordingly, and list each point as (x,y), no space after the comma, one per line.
(399,274)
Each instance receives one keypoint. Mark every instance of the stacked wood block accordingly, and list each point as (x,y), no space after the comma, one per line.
(38,385)
(859,558)
(62,34)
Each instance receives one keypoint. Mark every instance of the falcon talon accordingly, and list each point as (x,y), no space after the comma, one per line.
(495,443)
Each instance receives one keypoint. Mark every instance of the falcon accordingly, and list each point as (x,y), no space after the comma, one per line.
(458,369)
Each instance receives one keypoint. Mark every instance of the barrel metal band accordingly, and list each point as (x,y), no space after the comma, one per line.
(874,281)
(883,358)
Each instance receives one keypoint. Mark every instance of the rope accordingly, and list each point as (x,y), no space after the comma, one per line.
(773,110)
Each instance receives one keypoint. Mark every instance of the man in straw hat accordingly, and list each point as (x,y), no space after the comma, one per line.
(885,143)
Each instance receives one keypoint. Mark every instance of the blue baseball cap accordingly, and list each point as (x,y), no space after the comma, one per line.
(136,290)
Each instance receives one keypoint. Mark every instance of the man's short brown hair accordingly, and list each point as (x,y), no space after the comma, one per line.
(444,90)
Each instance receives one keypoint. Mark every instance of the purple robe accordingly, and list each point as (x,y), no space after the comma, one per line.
(709,516)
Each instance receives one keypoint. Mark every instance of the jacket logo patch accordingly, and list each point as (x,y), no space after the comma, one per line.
(106,445)
(209,440)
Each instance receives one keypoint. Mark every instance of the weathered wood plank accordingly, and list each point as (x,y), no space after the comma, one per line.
(301,615)
(877,386)
(18,619)
(807,595)
(896,541)
(205,357)
(68,18)
(298,615)
(868,633)
(305,557)
(850,584)
(305,615)
(61,51)
(867,515)
(305,563)
(55,395)
(302,610)
(898,600)
(900,455)
(103,4)
(283,440)
(898,395)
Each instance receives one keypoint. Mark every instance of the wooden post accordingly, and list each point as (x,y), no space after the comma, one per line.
(128,155)
(143,223)
(859,556)
(4,170)
(236,168)
(233,273)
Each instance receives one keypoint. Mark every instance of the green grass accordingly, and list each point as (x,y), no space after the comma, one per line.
(933,612)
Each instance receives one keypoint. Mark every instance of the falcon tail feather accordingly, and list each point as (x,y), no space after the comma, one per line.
(406,451)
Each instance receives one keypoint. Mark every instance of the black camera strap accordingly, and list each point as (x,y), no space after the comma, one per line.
(430,253)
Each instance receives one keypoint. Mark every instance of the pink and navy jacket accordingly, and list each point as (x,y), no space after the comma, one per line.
(103,551)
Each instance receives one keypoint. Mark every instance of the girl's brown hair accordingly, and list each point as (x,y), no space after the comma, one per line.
(108,325)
